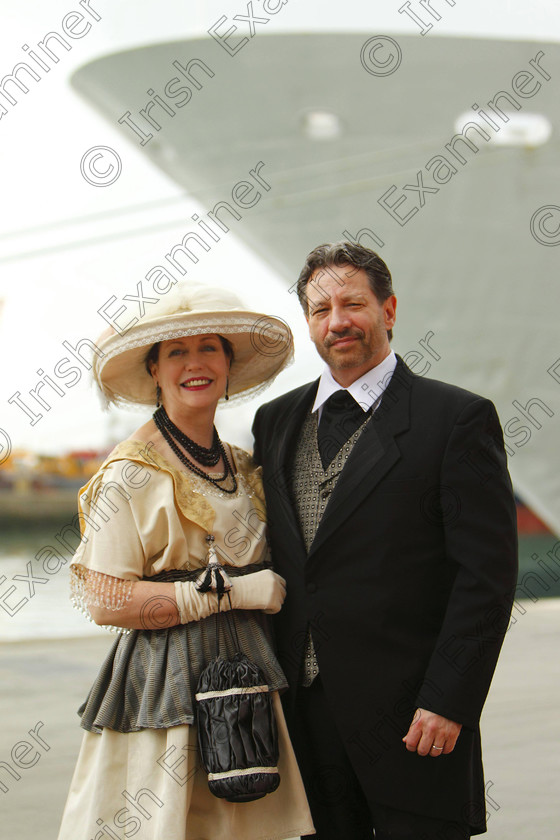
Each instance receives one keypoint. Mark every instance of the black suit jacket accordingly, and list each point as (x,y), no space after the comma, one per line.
(408,584)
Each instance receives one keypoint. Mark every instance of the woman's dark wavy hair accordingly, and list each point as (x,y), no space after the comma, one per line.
(347,253)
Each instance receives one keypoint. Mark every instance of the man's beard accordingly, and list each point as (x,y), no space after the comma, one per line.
(357,355)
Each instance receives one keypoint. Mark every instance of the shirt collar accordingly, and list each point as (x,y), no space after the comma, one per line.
(365,390)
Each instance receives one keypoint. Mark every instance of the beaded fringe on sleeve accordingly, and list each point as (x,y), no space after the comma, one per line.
(89,588)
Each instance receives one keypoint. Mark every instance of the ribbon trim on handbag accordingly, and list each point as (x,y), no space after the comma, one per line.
(229,774)
(229,692)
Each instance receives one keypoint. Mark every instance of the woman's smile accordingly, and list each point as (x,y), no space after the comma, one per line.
(196,384)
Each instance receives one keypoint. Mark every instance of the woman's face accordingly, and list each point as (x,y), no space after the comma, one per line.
(191,372)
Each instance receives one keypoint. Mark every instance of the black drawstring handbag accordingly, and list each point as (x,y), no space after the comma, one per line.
(237,733)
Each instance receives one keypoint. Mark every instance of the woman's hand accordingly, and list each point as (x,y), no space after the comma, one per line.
(264,590)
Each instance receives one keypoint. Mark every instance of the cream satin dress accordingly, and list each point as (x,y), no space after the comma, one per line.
(141,516)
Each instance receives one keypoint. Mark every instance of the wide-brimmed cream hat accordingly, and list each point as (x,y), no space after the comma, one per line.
(262,344)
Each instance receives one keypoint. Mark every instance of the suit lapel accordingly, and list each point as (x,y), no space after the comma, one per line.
(373,455)
(280,503)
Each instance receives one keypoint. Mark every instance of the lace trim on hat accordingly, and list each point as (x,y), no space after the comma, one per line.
(249,394)
(89,588)
(231,328)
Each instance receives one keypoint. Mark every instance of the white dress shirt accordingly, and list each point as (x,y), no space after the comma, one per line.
(365,390)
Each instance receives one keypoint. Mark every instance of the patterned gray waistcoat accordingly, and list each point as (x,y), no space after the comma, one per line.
(311,488)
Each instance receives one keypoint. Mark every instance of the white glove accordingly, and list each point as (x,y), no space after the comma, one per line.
(194,605)
(264,590)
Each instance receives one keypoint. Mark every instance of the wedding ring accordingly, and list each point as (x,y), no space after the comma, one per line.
(436,748)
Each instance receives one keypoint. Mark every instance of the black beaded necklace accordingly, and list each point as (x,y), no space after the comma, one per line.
(208,457)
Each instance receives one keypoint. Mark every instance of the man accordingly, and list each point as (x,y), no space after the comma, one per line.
(392,519)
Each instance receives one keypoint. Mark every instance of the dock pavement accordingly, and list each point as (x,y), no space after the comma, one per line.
(42,683)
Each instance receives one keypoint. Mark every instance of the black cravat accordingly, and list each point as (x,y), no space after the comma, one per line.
(340,418)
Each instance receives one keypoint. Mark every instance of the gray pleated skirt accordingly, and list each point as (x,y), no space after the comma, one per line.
(149,677)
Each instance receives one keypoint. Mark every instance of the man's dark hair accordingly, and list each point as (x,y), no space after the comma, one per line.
(347,253)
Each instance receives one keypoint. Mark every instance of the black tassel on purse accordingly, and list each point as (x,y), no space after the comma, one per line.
(237,733)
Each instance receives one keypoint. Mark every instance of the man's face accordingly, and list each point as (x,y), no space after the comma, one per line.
(347,324)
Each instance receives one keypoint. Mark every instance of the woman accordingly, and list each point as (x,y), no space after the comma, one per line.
(164,502)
